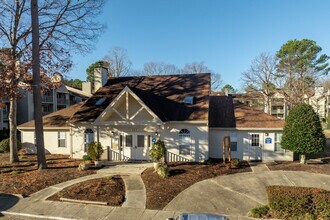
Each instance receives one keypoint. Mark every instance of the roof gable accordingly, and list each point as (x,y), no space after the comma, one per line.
(127,106)
(162,94)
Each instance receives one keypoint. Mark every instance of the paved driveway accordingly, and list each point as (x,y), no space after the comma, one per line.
(237,194)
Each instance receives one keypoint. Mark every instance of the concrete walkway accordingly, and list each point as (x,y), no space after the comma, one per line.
(237,194)
(258,167)
(36,205)
(232,195)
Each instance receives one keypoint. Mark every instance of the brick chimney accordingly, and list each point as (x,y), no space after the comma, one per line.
(100,75)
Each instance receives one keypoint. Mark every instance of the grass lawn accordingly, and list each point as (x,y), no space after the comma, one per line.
(160,191)
(323,168)
(24,178)
(110,190)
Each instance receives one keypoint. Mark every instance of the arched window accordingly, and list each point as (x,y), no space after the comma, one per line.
(184,142)
(88,138)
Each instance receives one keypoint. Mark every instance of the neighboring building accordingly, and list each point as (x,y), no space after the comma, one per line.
(51,101)
(4,115)
(319,100)
(129,113)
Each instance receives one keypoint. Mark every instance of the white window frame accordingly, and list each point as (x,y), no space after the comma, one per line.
(61,135)
(277,142)
(255,139)
(184,141)
(88,134)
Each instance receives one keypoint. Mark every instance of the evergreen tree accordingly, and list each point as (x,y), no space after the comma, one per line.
(303,132)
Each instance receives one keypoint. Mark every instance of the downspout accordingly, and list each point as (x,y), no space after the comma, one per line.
(98,134)
(71,143)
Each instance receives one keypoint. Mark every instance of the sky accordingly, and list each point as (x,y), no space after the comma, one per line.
(225,34)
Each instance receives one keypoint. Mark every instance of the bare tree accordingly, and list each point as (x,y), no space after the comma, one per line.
(200,67)
(65,26)
(159,68)
(261,77)
(119,64)
(195,67)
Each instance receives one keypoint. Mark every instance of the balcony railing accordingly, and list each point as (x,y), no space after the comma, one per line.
(45,113)
(48,99)
(61,101)
(277,111)
(5,115)
(72,102)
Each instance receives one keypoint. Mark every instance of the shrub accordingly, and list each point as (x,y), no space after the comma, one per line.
(298,202)
(235,163)
(95,150)
(259,212)
(86,157)
(321,202)
(303,132)
(162,170)
(158,151)
(5,148)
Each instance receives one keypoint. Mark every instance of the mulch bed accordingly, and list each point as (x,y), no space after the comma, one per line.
(160,191)
(323,168)
(110,190)
(24,177)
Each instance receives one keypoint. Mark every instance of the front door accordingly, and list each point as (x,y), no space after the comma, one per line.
(255,151)
(136,146)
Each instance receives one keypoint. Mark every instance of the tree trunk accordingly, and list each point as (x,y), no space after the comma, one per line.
(13,131)
(36,87)
(302,158)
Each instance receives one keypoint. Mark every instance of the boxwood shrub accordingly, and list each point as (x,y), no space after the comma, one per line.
(299,202)
(4,146)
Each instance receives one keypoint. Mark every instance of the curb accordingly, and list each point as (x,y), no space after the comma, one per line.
(35,216)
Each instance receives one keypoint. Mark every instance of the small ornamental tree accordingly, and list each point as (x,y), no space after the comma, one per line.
(303,132)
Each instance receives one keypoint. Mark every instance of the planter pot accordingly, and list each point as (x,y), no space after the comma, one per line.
(98,163)
(84,166)
(156,164)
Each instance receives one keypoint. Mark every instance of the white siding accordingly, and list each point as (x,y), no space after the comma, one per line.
(244,145)
(199,140)
(51,142)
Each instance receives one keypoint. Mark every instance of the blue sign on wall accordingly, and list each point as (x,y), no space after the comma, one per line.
(153,140)
(268,140)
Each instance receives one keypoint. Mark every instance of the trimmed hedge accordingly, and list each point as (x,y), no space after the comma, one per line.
(299,202)
(5,148)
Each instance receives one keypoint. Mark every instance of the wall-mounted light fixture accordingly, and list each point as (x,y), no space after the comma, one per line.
(156,133)
(267,134)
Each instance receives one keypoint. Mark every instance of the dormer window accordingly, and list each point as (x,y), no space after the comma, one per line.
(189,100)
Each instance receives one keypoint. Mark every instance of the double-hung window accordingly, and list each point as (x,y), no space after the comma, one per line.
(61,139)
(278,146)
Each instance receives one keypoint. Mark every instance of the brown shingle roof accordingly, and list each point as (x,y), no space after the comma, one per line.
(162,94)
(55,119)
(225,112)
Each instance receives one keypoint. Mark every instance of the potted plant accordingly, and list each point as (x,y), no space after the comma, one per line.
(86,163)
(157,153)
(95,151)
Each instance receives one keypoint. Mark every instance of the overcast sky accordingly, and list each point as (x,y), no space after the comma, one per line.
(226,35)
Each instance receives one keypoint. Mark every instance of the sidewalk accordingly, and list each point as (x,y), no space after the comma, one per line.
(36,206)
(201,200)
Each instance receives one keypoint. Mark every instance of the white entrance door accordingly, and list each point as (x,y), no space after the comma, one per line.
(255,151)
(136,146)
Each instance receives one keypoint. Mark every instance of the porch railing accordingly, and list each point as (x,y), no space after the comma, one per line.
(171,157)
(117,155)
